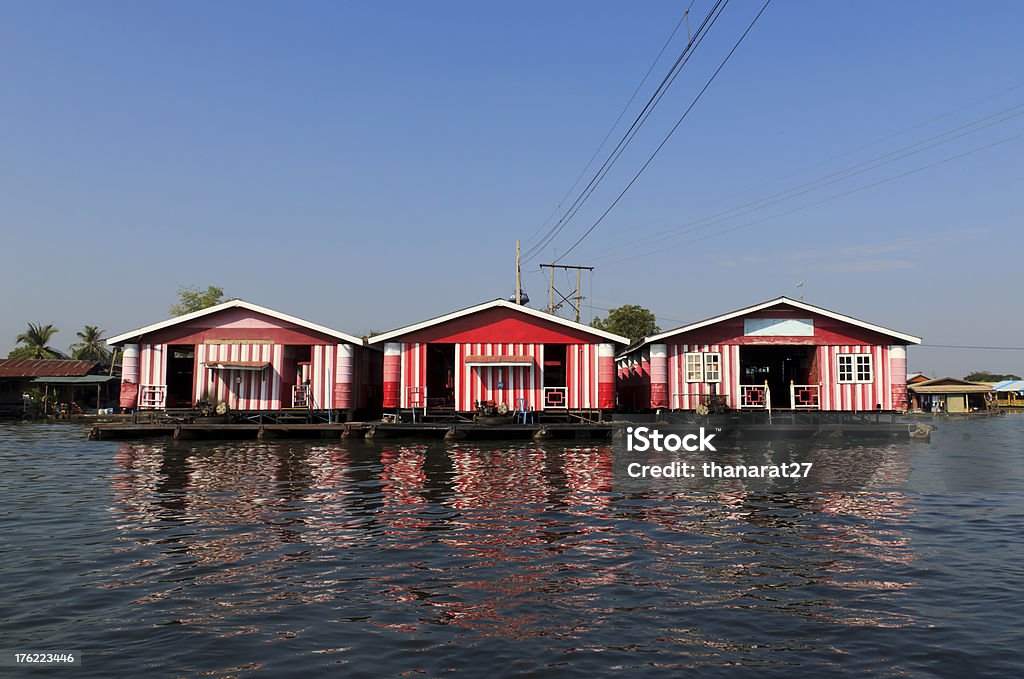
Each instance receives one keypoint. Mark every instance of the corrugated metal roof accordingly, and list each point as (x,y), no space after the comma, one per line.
(43,367)
(1009,385)
(949,385)
(76,379)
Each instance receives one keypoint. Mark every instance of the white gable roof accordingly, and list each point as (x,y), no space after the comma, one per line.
(498,303)
(910,339)
(235,304)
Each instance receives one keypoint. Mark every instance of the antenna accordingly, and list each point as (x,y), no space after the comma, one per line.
(800,287)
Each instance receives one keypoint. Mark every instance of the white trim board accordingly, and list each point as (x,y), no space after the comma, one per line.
(495,304)
(910,339)
(234,304)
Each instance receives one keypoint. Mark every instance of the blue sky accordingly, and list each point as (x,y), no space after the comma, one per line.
(367,165)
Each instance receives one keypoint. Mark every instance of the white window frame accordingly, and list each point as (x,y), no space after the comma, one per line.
(694,372)
(856,362)
(716,370)
(698,366)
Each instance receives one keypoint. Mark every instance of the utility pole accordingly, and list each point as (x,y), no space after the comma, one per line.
(519,286)
(576,301)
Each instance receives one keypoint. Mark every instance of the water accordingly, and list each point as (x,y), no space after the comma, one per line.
(402,559)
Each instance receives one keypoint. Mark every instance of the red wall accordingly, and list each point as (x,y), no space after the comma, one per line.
(827,331)
(500,325)
(236,324)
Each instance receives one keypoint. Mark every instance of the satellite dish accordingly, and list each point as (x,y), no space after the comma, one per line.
(524,299)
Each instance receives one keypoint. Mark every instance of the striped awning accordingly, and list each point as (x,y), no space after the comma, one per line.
(499,361)
(236,365)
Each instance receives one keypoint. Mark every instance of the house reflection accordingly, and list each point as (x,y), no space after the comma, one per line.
(527,541)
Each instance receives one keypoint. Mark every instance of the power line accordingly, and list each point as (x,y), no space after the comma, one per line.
(638,122)
(829,198)
(965,346)
(671,132)
(819,183)
(870,144)
(615,124)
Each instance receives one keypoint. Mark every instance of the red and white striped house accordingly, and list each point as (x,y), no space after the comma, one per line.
(502,353)
(783,354)
(249,358)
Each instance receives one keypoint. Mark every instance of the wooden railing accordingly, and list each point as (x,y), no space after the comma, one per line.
(300,396)
(805,396)
(416,397)
(152,395)
(556,398)
(755,396)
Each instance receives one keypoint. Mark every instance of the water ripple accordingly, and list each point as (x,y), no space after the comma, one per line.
(288,558)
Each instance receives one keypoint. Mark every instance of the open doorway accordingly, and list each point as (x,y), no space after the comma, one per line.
(555,394)
(181,371)
(778,366)
(441,375)
(554,365)
(296,366)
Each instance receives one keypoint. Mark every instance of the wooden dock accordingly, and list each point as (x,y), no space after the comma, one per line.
(889,431)
(367,430)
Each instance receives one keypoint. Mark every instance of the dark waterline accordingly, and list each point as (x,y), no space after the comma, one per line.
(300,558)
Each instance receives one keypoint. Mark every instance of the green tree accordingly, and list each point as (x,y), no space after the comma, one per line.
(92,346)
(35,342)
(985,376)
(192,299)
(630,320)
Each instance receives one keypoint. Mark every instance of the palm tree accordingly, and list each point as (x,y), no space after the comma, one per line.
(92,346)
(36,339)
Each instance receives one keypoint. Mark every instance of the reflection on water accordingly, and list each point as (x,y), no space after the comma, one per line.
(229,559)
(511,542)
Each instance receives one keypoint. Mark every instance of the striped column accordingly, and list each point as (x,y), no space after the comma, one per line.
(129,376)
(898,376)
(343,377)
(659,376)
(606,376)
(392,374)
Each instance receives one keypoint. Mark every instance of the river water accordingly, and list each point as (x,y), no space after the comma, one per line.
(289,558)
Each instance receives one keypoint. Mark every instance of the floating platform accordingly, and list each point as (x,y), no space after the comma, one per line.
(367,430)
(472,431)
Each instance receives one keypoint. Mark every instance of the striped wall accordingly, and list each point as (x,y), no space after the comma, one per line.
(581,373)
(835,396)
(413,375)
(325,360)
(884,389)
(240,389)
(683,395)
(501,384)
(152,364)
(333,382)
(405,371)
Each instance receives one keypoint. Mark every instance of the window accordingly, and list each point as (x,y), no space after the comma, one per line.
(864,368)
(706,367)
(694,368)
(712,367)
(854,368)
